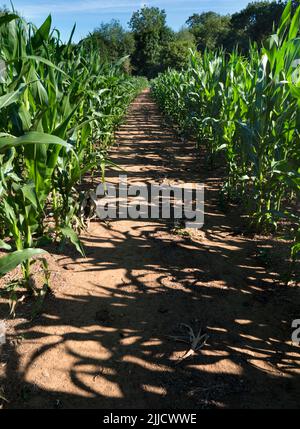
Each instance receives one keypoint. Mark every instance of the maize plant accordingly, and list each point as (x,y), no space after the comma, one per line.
(59,107)
(247,112)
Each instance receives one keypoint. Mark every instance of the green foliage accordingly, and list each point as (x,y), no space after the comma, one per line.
(176,53)
(112,42)
(209,29)
(252,24)
(247,111)
(13,259)
(152,47)
(151,34)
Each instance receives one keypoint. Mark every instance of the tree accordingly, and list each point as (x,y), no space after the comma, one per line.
(112,40)
(255,22)
(209,29)
(176,53)
(151,35)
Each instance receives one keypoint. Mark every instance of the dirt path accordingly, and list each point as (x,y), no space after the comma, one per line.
(102,340)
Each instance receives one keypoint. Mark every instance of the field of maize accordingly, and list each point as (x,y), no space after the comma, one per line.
(247,112)
(140,311)
(60,106)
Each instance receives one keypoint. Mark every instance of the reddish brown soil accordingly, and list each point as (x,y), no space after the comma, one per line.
(103,341)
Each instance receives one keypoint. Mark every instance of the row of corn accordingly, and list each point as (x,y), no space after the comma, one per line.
(59,108)
(247,112)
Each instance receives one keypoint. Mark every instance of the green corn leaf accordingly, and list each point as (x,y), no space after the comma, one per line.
(29,194)
(294,27)
(69,233)
(4,245)
(285,19)
(38,59)
(12,260)
(295,250)
(42,33)
(71,35)
(11,97)
(47,62)
(60,131)
(5,19)
(25,118)
(32,137)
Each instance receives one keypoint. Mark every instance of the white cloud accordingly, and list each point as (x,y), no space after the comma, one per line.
(31,10)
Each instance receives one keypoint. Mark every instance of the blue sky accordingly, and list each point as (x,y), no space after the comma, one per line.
(88,14)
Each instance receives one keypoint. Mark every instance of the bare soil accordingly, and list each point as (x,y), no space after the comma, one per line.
(104,338)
